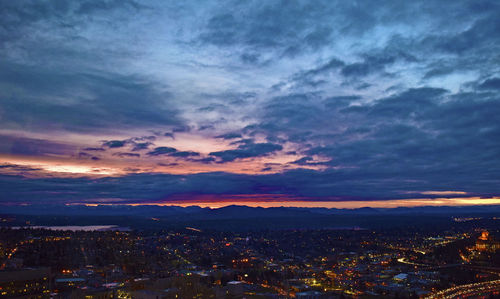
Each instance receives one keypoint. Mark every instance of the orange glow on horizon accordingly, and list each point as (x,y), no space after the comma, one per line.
(441,192)
(109,163)
(353,204)
(53,165)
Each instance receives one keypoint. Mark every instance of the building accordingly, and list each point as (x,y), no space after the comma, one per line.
(485,243)
(27,283)
(401,277)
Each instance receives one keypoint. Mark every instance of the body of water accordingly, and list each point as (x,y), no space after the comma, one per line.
(78,227)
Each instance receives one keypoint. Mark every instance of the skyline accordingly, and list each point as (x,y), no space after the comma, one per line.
(261,103)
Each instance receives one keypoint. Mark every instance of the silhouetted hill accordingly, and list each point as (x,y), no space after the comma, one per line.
(232,211)
(242,217)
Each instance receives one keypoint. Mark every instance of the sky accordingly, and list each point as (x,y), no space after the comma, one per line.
(331,103)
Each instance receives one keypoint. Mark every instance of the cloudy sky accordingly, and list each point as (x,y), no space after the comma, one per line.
(250,101)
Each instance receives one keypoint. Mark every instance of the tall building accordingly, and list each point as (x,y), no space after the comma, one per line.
(486,243)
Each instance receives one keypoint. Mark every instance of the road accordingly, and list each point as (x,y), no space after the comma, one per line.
(472,290)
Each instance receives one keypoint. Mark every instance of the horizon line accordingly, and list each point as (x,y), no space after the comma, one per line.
(395,203)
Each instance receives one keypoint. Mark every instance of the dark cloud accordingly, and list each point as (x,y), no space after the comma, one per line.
(375,63)
(83,155)
(213,107)
(206,127)
(114,143)
(90,7)
(247,150)
(17,168)
(294,28)
(184,154)
(206,160)
(168,164)
(133,142)
(493,83)
(333,64)
(127,155)
(391,99)
(97,101)
(413,101)
(341,185)
(97,149)
(312,77)
(229,136)
(303,161)
(33,147)
(141,146)
(251,58)
(162,150)
(415,137)
(288,27)
(340,101)
(294,115)
(144,138)
(484,31)
(23,16)
(180,129)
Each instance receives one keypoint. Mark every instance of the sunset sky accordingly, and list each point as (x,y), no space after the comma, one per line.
(264,103)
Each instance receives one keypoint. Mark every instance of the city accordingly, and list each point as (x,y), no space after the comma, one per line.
(259,149)
(397,261)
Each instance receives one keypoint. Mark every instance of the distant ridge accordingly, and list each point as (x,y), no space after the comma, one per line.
(233,211)
(243,218)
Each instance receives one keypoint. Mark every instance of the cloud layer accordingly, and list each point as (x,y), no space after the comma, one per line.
(329,99)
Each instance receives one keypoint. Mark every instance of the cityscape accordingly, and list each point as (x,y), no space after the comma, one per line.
(457,258)
(223,149)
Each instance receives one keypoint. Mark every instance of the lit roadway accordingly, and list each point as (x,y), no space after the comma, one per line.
(405,261)
(466,290)
(469,290)
(13,251)
(429,267)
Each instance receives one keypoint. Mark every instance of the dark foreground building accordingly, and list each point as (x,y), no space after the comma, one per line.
(28,283)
